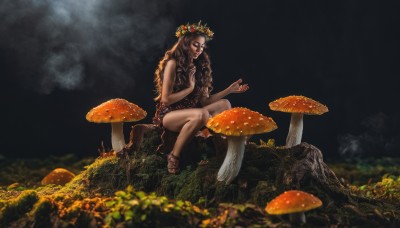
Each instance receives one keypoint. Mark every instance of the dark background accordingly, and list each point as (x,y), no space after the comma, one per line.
(60,58)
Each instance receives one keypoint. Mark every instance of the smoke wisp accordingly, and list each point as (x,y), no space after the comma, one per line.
(380,138)
(73,45)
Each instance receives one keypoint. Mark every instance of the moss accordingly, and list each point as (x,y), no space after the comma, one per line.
(388,189)
(109,174)
(72,211)
(79,203)
(262,193)
(41,212)
(3,203)
(238,215)
(104,175)
(102,167)
(172,184)
(190,184)
(16,186)
(150,143)
(151,162)
(48,190)
(18,207)
(192,190)
(138,209)
(226,193)
(147,172)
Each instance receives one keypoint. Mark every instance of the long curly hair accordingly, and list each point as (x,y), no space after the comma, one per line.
(180,53)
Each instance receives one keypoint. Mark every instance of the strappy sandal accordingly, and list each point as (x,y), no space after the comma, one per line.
(173,163)
(202,162)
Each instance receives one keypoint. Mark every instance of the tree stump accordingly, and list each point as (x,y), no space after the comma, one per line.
(137,134)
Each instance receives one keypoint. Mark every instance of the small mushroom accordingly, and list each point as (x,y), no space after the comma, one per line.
(297,105)
(58,176)
(116,111)
(294,203)
(236,124)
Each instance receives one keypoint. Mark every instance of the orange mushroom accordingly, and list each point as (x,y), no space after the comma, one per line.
(116,111)
(236,124)
(294,203)
(298,106)
(58,176)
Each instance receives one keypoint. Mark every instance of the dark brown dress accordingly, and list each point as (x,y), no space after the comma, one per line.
(162,109)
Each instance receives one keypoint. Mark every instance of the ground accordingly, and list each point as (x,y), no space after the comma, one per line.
(136,189)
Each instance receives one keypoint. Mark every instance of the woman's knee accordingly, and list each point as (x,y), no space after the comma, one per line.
(226,104)
(201,116)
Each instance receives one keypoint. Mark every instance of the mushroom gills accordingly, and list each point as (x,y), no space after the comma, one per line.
(233,160)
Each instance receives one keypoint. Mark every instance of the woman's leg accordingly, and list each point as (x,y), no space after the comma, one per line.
(187,122)
(218,106)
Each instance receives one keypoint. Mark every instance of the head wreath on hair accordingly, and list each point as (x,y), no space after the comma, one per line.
(194,29)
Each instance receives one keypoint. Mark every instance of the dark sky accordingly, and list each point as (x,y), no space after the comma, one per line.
(60,58)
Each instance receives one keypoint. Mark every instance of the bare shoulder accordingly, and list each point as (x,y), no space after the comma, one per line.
(169,70)
(170,66)
(171,63)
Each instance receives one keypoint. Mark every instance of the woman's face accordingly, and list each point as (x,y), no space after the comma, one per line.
(197,46)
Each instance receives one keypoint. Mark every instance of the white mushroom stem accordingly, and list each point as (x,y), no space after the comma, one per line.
(295,130)
(233,159)
(297,218)
(117,136)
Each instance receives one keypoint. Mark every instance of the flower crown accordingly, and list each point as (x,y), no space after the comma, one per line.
(194,28)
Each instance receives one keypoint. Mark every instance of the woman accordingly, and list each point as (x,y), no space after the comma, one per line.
(183,82)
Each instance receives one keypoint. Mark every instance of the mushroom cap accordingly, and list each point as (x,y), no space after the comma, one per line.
(116,110)
(58,176)
(292,201)
(240,122)
(298,104)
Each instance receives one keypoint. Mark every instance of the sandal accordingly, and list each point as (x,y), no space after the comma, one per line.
(203,162)
(173,163)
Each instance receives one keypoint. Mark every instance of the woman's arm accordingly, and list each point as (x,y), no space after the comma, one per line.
(167,95)
(233,88)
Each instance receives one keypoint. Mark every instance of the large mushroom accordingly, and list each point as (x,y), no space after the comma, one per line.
(116,111)
(298,106)
(294,203)
(236,124)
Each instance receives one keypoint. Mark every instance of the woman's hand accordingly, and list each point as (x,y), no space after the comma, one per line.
(236,87)
(192,79)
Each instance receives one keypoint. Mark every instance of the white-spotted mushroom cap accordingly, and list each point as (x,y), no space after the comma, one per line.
(292,201)
(116,110)
(298,104)
(58,176)
(240,122)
